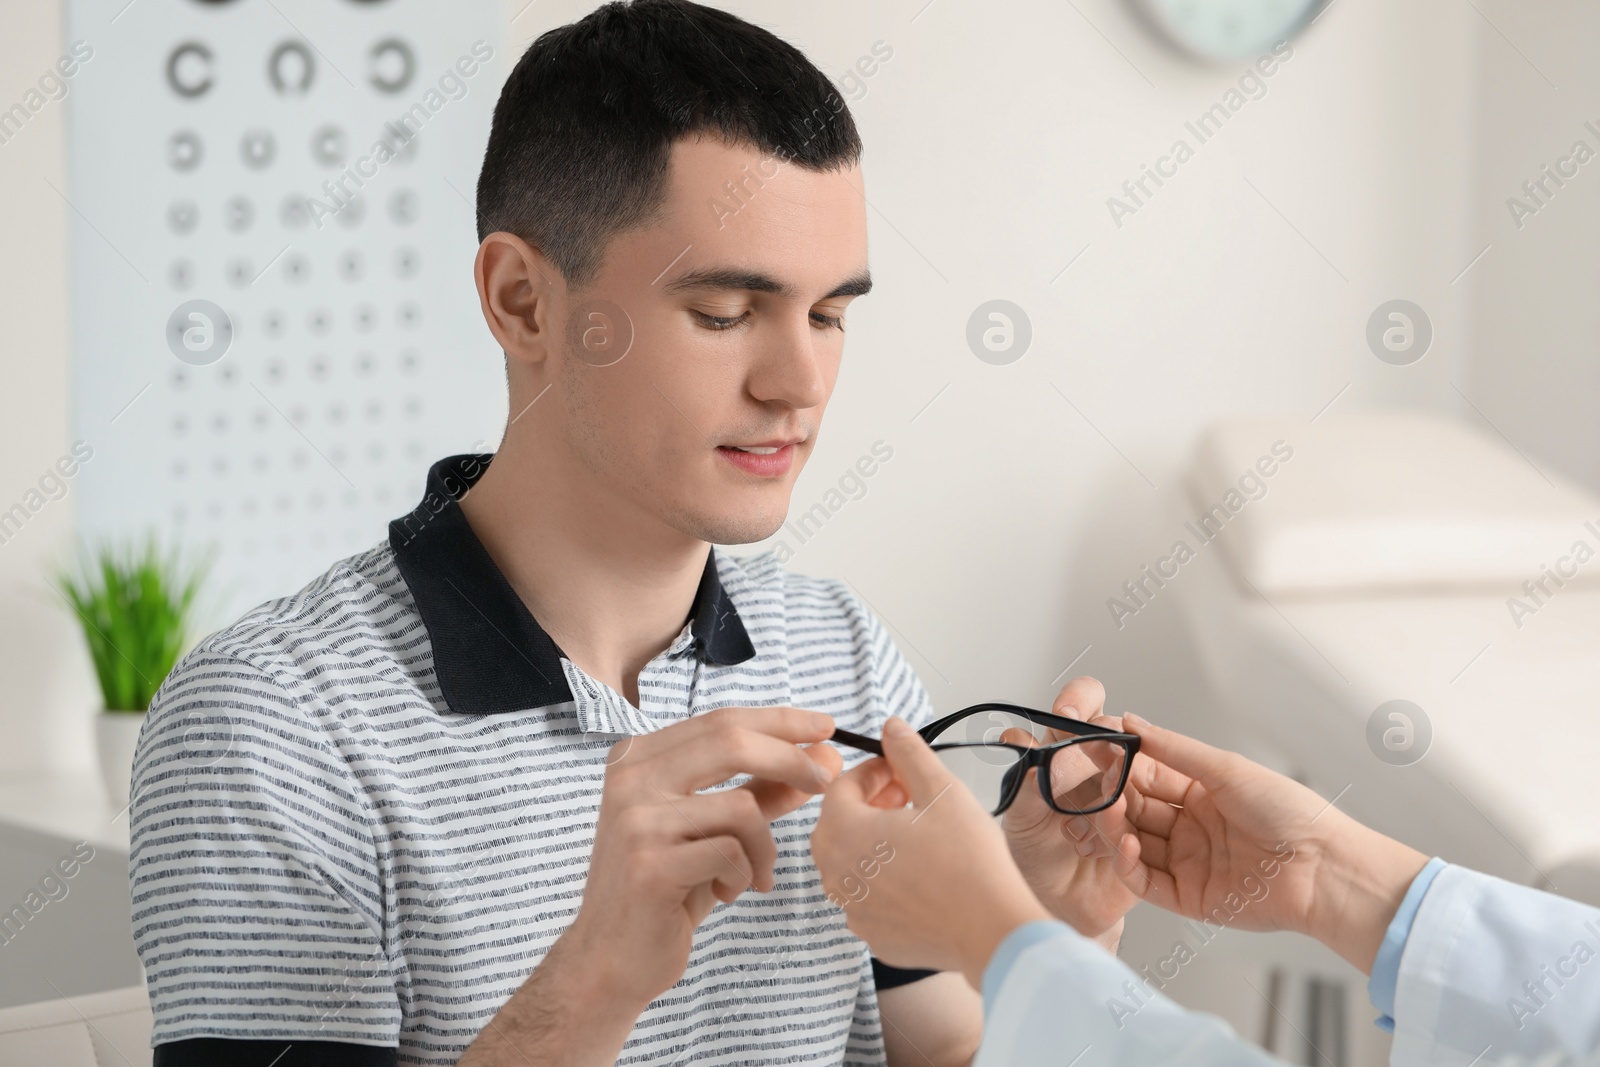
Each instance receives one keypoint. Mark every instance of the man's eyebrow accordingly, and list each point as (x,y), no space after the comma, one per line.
(757,282)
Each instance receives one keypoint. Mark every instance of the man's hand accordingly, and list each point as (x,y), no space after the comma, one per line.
(664,854)
(1219,837)
(1071,862)
(930,885)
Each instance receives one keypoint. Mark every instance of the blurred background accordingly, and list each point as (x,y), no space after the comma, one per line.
(1126,253)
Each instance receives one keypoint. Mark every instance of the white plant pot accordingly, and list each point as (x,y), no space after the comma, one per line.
(115,735)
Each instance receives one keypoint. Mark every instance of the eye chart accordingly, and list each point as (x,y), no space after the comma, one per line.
(274,325)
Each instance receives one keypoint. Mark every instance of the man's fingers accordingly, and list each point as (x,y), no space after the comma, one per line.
(786,724)
(795,725)
(735,741)
(728,887)
(730,812)
(719,862)
(778,799)
(700,901)
(790,724)
(829,757)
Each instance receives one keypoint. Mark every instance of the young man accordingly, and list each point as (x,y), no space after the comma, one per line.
(453,801)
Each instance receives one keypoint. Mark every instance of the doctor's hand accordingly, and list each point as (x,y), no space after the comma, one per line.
(930,885)
(1071,862)
(1220,838)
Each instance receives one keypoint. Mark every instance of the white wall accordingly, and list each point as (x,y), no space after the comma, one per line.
(1006,517)
(1536,323)
(48,691)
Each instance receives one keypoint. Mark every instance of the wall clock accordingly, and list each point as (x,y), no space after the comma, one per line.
(1222,30)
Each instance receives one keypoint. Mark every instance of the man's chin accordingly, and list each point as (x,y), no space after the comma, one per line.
(741,531)
(746,527)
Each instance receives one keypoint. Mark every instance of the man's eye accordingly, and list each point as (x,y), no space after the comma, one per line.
(718,322)
(831,322)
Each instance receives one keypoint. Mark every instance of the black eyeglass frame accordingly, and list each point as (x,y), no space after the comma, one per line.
(1038,757)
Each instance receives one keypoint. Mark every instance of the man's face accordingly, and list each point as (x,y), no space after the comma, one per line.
(695,368)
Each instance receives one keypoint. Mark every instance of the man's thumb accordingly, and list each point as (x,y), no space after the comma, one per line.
(916,765)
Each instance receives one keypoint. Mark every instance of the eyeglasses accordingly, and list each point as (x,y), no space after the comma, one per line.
(1079,775)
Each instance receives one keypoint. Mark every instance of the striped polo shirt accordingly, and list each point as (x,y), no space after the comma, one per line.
(364,812)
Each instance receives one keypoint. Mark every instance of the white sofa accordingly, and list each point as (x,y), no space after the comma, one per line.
(93,1030)
(1394,557)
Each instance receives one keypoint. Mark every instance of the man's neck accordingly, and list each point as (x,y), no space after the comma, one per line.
(611,585)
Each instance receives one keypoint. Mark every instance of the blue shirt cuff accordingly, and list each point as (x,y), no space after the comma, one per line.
(1017,941)
(1386,968)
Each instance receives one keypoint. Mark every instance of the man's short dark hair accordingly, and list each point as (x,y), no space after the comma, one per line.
(584,127)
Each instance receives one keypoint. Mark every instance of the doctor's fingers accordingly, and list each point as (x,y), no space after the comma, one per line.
(1082,698)
(1148,882)
(1149,815)
(1157,780)
(1155,852)
(1095,838)
(1105,827)
(866,800)
(860,785)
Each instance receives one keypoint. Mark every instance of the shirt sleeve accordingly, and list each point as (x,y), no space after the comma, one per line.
(210,1051)
(257,907)
(1386,967)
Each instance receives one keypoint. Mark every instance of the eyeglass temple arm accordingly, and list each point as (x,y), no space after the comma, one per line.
(1076,726)
(865,744)
(874,746)
(1038,718)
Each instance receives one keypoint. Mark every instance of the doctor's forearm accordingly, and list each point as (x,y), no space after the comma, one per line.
(1362,877)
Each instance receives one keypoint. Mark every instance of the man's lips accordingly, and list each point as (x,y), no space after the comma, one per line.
(771,459)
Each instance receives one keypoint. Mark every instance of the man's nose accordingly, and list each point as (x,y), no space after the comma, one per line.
(788,370)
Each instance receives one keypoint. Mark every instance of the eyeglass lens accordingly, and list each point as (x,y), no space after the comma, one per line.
(1083,776)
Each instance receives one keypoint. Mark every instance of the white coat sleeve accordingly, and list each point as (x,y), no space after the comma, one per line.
(1051,996)
(1498,971)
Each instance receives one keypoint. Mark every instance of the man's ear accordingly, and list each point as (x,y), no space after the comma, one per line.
(517,290)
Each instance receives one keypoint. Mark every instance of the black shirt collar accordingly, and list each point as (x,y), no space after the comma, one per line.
(489,653)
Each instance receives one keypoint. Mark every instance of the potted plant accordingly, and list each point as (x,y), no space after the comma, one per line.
(135,605)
